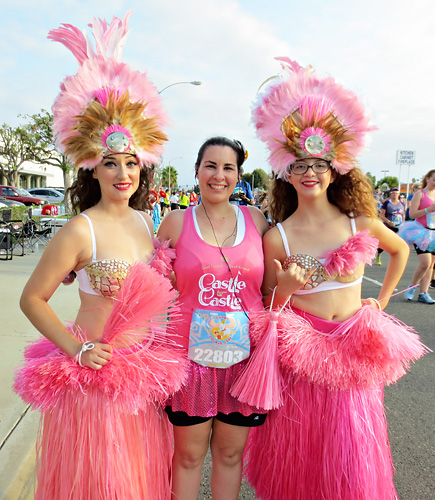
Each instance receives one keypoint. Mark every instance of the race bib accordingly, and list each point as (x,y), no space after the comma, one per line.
(397,219)
(430,220)
(218,339)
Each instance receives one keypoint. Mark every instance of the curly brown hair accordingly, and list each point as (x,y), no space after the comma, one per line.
(85,192)
(350,192)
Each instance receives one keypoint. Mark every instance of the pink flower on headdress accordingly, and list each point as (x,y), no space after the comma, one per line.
(315,141)
(116,139)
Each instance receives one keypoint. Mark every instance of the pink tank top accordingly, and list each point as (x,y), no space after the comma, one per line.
(424,203)
(203,278)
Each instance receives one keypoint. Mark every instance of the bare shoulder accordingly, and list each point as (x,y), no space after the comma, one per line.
(171,227)
(259,220)
(363,222)
(273,244)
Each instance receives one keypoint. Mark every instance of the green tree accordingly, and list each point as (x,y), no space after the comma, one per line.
(41,125)
(17,145)
(169,176)
(371,179)
(258,178)
(391,180)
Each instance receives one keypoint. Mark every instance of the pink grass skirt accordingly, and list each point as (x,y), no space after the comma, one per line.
(104,435)
(329,439)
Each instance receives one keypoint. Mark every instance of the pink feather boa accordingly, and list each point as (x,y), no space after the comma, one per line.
(357,250)
(149,371)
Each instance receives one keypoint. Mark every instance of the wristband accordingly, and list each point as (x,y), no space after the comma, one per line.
(426,211)
(87,346)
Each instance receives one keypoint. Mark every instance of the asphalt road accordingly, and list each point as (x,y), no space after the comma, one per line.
(410,404)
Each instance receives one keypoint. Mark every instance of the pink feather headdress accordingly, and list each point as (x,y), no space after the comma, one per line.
(106,107)
(306,115)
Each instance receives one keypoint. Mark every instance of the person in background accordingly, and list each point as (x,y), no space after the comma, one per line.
(391,214)
(162,196)
(242,194)
(174,200)
(101,382)
(193,199)
(184,200)
(421,234)
(218,270)
(166,201)
(379,197)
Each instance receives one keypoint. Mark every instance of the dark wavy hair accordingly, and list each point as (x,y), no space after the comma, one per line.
(350,193)
(85,191)
(235,145)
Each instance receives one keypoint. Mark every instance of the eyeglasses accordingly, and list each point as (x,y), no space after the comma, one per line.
(318,167)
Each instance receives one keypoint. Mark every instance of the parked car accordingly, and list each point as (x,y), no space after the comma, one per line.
(21,195)
(50,194)
(10,203)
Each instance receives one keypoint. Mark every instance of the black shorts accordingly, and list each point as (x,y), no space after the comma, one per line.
(419,252)
(182,419)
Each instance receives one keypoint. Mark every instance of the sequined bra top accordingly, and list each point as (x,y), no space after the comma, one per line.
(103,277)
(339,268)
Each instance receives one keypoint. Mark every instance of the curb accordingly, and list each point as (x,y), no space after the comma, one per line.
(17,460)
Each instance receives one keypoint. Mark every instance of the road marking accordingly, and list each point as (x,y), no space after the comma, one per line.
(376,282)
(372,281)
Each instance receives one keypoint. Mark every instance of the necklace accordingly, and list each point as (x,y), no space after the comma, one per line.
(214,233)
(239,301)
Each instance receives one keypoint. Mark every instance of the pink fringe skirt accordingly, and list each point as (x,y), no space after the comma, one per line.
(103,434)
(329,439)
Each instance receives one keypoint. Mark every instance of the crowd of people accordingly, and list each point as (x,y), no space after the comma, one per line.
(221,333)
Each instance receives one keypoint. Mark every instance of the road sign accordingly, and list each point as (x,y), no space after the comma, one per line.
(405,157)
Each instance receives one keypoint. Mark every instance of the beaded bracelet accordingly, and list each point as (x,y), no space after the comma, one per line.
(86,346)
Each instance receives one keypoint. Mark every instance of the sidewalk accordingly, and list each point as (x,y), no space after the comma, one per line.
(18,424)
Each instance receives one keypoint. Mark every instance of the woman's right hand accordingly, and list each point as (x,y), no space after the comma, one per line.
(292,279)
(97,357)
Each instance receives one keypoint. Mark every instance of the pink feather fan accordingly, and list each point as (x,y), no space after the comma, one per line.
(303,99)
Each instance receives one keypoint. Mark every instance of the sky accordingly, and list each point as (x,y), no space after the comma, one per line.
(381,49)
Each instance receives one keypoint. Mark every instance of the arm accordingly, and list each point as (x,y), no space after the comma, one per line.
(382,216)
(259,220)
(286,282)
(70,248)
(171,227)
(414,211)
(399,253)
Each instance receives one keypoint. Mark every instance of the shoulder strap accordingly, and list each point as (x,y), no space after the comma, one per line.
(145,222)
(353,224)
(94,242)
(284,239)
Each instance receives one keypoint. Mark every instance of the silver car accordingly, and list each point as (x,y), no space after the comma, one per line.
(49,194)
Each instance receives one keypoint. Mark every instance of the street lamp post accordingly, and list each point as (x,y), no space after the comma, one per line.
(194,82)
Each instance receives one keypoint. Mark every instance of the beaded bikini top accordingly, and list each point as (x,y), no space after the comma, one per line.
(107,276)
(103,277)
(344,265)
